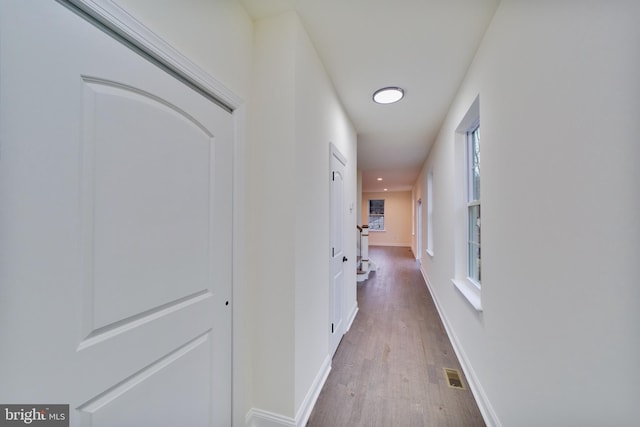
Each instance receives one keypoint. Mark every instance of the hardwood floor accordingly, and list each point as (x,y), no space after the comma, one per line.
(389,367)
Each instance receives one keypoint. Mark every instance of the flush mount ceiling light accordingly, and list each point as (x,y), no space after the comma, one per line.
(379,179)
(388,95)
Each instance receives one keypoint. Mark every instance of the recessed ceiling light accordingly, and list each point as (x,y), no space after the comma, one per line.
(388,95)
(379,179)
(386,189)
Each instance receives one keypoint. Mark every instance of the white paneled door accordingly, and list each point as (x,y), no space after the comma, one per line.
(115,229)
(338,258)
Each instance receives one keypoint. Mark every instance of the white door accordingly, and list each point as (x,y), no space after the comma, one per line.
(115,230)
(338,257)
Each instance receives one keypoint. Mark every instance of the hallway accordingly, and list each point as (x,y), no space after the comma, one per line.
(388,369)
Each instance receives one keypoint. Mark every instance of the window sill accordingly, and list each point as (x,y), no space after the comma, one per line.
(376,231)
(470,291)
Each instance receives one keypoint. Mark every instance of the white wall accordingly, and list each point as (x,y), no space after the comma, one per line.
(557,343)
(271,218)
(319,121)
(397,218)
(294,117)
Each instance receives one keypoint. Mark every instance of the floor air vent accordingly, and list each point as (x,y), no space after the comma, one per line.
(453,379)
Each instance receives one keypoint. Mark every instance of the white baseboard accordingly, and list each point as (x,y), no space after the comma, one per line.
(352,317)
(304,412)
(488,414)
(259,418)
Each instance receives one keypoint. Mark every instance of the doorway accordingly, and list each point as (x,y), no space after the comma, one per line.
(338,258)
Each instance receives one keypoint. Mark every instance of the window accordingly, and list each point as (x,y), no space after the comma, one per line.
(430,212)
(474,264)
(376,215)
(468,260)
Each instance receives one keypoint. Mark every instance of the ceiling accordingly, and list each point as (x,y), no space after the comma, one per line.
(423,46)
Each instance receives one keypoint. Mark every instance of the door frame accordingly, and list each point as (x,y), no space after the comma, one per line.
(124,27)
(336,154)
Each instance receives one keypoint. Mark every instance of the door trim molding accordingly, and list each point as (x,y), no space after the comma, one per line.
(338,155)
(334,153)
(120,24)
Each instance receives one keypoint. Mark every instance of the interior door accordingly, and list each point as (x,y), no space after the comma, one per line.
(115,229)
(338,257)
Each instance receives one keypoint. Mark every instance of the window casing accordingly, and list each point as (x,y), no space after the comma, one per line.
(430,212)
(474,257)
(467,250)
(376,215)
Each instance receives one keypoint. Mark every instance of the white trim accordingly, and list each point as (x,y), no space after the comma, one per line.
(471,117)
(241,353)
(352,316)
(117,19)
(304,412)
(467,287)
(336,152)
(470,291)
(259,418)
(429,212)
(488,413)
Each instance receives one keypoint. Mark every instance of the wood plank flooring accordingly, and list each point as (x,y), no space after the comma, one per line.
(389,367)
